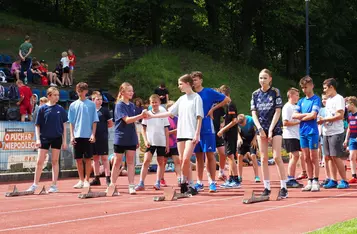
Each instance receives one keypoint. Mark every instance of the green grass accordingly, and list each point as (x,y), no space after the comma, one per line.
(348,227)
(50,40)
(168,65)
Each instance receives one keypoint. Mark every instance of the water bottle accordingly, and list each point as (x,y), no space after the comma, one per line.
(25,80)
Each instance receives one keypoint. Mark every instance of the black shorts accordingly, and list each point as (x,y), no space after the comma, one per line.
(291,145)
(101,147)
(54,143)
(219,141)
(276,132)
(160,150)
(173,152)
(120,149)
(246,148)
(183,139)
(230,147)
(66,70)
(83,148)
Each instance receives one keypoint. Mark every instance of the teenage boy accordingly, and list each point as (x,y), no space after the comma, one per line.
(83,118)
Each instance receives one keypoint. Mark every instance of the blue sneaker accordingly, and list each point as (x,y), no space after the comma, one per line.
(226,184)
(212,188)
(199,187)
(330,184)
(234,185)
(343,185)
(293,184)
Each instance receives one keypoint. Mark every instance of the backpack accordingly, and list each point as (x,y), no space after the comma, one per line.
(2,92)
(44,81)
(13,92)
(2,76)
(13,114)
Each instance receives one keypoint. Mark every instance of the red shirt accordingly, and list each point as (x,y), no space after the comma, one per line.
(70,57)
(42,69)
(25,92)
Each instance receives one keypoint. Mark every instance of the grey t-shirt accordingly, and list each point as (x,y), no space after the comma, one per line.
(188,107)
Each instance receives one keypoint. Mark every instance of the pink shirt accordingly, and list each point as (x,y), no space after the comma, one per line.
(15,66)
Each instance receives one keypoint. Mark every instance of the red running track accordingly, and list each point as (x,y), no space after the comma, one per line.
(222,212)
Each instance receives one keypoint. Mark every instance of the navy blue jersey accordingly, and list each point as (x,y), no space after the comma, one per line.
(265,104)
(51,120)
(102,126)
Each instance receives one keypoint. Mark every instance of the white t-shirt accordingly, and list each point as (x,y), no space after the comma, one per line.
(290,132)
(155,129)
(187,108)
(333,105)
(65,62)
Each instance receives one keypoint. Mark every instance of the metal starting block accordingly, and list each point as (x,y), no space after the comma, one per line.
(171,195)
(249,196)
(12,191)
(88,193)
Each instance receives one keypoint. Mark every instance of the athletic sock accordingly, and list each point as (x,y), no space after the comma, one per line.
(191,184)
(157,181)
(267,184)
(316,179)
(141,182)
(311,179)
(354,176)
(199,182)
(283,184)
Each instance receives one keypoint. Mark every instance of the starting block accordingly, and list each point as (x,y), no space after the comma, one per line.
(88,193)
(12,191)
(171,195)
(249,196)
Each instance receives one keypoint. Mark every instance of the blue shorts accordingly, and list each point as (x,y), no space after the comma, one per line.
(352,145)
(206,144)
(309,141)
(71,68)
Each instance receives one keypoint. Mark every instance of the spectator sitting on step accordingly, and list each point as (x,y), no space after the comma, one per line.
(16,69)
(44,71)
(34,74)
(57,76)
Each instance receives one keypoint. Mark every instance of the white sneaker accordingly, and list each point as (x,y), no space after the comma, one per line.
(86,184)
(132,190)
(53,189)
(32,188)
(79,185)
(308,187)
(315,187)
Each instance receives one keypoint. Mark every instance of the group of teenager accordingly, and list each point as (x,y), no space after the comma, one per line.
(192,125)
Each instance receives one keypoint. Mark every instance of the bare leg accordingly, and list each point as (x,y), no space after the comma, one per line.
(79,163)
(55,165)
(40,161)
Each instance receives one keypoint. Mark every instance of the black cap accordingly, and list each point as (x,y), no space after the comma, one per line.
(42,61)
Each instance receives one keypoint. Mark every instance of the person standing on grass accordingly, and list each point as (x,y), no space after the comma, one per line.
(156,138)
(247,145)
(189,109)
(50,133)
(229,133)
(266,107)
(83,118)
(101,148)
(65,66)
(72,64)
(306,111)
(24,52)
(207,144)
(351,136)
(291,136)
(163,93)
(333,134)
(125,137)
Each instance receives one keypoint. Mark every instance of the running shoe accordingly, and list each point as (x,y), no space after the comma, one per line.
(293,184)
(184,187)
(192,191)
(331,184)
(343,185)
(132,190)
(324,182)
(283,193)
(140,187)
(53,189)
(212,188)
(95,182)
(226,184)
(308,187)
(353,181)
(302,176)
(86,184)
(234,185)
(157,186)
(315,187)
(32,188)
(79,185)
(199,187)
(257,179)
(266,193)
(163,183)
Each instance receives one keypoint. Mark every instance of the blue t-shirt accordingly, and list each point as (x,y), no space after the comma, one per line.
(265,104)
(309,105)
(101,133)
(248,131)
(82,114)
(352,121)
(125,134)
(51,119)
(209,98)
